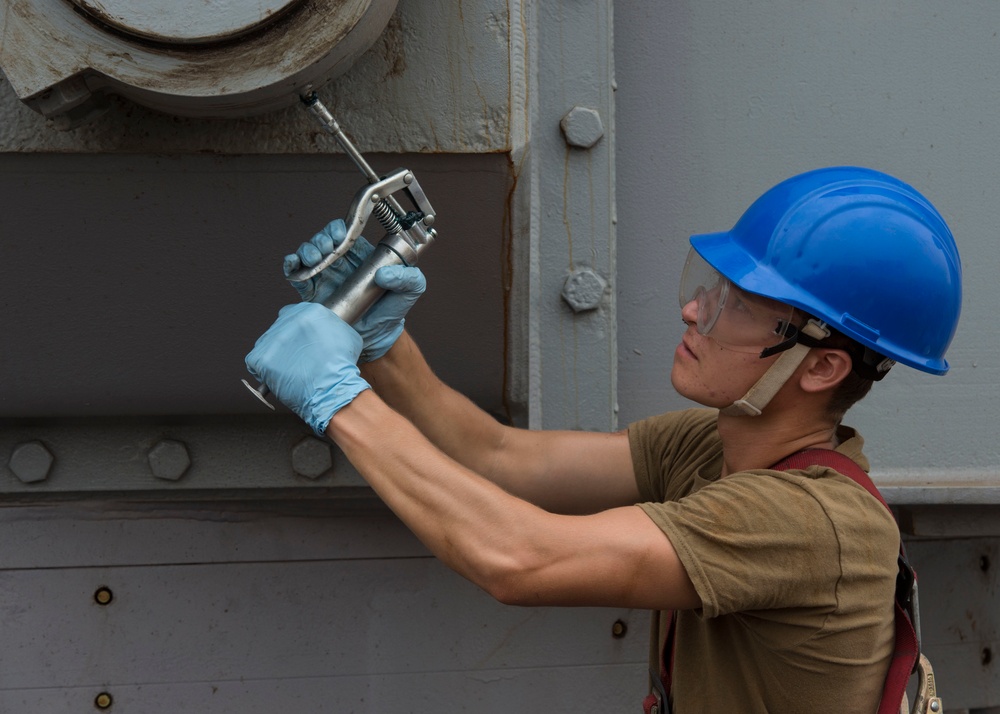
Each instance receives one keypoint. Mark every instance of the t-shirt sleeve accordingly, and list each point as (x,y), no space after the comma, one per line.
(660,443)
(752,541)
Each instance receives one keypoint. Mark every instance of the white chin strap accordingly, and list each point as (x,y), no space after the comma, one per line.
(761,394)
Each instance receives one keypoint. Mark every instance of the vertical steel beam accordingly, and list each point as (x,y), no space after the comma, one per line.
(562,352)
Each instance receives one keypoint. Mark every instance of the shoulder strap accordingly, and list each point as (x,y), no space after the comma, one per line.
(834,460)
(906,653)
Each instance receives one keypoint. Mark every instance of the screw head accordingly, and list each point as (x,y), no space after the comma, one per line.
(582,127)
(584,289)
(311,458)
(169,460)
(31,462)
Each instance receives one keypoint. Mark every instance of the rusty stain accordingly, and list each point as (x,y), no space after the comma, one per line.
(566,222)
(391,47)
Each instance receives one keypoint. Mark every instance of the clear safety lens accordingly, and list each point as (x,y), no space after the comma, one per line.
(734,318)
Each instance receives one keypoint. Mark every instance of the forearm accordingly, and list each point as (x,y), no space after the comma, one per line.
(514,550)
(449,420)
(560,471)
(465,520)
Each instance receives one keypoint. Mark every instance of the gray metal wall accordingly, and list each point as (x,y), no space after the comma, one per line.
(171,258)
(719,100)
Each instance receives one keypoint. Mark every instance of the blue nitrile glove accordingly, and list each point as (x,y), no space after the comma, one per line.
(383,323)
(308,358)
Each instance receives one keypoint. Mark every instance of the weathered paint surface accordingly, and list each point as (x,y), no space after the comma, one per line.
(437,80)
(308,45)
(280,607)
(186,22)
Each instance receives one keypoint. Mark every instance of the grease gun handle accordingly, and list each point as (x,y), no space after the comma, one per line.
(354,298)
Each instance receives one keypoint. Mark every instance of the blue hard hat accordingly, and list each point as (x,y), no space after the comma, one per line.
(857,248)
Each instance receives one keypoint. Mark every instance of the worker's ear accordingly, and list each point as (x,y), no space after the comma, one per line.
(824,369)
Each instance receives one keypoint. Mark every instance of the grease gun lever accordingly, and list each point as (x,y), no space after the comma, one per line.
(407,233)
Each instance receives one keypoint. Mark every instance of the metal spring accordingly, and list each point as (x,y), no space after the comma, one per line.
(387,217)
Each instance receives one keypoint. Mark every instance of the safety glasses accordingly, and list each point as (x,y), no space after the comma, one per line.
(734,318)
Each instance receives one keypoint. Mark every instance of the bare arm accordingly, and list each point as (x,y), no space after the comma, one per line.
(560,471)
(516,551)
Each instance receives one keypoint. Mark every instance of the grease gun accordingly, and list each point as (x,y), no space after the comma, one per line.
(407,233)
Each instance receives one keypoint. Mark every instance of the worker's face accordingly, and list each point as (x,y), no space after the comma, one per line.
(708,373)
(718,358)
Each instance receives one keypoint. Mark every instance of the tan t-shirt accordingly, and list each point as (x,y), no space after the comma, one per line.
(796,573)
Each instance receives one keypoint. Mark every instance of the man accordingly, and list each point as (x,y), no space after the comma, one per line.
(783,580)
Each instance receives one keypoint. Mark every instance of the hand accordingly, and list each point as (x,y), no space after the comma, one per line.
(308,358)
(382,324)
(320,288)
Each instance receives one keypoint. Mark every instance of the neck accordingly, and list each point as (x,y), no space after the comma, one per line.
(758,442)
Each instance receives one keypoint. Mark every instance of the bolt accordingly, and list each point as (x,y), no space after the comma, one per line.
(311,458)
(169,460)
(103,596)
(31,462)
(584,289)
(103,701)
(582,127)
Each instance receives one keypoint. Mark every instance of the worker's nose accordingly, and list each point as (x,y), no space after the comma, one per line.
(689,311)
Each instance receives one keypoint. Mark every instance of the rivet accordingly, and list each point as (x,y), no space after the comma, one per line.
(619,629)
(31,462)
(584,290)
(407,178)
(582,127)
(311,458)
(103,701)
(103,596)
(935,706)
(169,460)
(376,198)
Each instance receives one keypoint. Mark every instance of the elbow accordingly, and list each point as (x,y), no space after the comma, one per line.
(511,581)
(512,589)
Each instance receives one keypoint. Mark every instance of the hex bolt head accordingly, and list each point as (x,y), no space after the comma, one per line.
(582,127)
(31,462)
(584,289)
(311,458)
(169,460)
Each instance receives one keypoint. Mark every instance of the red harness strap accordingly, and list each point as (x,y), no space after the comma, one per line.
(906,652)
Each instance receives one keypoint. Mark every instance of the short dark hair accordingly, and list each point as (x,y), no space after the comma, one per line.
(855,386)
